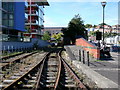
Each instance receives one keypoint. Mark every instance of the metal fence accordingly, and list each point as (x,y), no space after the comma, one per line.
(78,53)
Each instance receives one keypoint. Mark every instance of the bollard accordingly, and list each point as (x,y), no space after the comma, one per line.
(80,55)
(83,57)
(88,58)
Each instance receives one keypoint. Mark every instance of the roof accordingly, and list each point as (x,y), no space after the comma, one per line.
(54,27)
(41,2)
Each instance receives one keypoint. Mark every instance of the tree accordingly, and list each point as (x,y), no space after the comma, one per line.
(101,24)
(88,26)
(75,28)
(28,29)
(57,36)
(94,26)
(46,36)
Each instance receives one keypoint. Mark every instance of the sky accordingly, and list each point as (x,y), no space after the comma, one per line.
(59,13)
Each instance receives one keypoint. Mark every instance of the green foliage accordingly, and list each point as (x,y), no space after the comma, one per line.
(75,28)
(46,36)
(94,26)
(102,24)
(92,33)
(88,26)
(57,36)
(28,29)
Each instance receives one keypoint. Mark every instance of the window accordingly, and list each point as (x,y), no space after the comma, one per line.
(5,5)
(5,22)
(10,23)
(10,7)
(4,15)
(10,16)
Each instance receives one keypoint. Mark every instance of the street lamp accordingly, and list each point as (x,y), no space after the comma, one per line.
(103,4)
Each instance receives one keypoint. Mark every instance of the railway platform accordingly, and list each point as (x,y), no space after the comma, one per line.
(107,67)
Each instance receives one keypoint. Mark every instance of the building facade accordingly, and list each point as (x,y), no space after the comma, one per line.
(17,17)
(35,21)
(12,21)
(52,30)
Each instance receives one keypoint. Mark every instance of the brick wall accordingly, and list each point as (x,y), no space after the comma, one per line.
(93,50)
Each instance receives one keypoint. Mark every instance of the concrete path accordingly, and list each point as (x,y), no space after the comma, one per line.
(109,67)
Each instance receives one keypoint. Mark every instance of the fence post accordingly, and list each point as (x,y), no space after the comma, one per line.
(4,50)
(80,55)
(88,58)
(12,48)
(83,57)
(8,51)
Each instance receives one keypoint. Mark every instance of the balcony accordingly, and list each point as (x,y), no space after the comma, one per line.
(33,22)
(33,12)
(26,3)
(26,16)
(35,31)
(33,5)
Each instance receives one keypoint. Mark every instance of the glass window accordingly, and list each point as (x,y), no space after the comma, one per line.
(5,5)
(10,7)
(10,16)
(11,23)
(4,15)
(5,22)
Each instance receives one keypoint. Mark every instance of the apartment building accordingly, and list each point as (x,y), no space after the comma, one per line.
(16,18)
(35,22)
(12,21)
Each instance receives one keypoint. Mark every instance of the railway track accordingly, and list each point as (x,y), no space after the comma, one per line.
(10,56)
(13,65)
(6,63)
(50,73)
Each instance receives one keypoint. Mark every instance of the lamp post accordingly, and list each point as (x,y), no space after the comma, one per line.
(103,5)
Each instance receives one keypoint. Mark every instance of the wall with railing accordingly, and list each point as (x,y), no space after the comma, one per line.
(93,50)
(20,46)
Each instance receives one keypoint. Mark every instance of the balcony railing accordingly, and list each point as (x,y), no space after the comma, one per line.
(26,3)
(26,16)
(32,12)
(34,5)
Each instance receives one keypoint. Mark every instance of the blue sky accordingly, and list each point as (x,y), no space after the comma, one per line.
(60,13)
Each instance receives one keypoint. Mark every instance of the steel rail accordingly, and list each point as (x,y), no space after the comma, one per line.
(16,59)
(10,86)
(73,75)
(7,57)
(37,85)
(59,71)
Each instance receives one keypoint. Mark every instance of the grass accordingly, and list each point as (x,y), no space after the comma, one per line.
(10,54)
